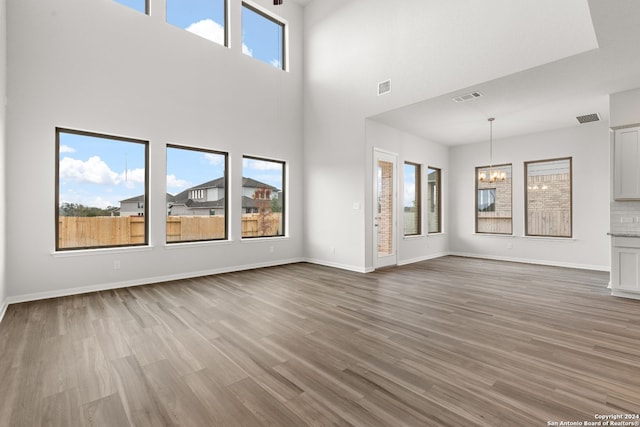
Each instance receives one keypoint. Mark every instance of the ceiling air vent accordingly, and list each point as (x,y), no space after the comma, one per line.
(588,118)
(384,87)
(467,97)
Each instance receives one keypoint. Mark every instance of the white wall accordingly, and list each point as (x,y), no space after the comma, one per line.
(588,145)
(624,108)
(100,66)
(411,148)
(427,48)
(3,164)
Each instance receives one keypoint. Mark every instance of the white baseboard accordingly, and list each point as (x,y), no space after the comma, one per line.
(338,265)
(423,258)
(534,261)
(3,309)
(139,282)
(623,294)
(158,279)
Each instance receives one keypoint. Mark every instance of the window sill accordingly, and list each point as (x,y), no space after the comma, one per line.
(178,245)
(263,239)
(559,239)
(414,237)
(100,251)
(510,236)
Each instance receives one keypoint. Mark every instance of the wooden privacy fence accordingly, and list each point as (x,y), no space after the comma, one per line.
(87,232)
(550,223)
(183,228)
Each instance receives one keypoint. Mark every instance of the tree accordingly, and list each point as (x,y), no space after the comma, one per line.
(276,206)
(262,196)
(77,209)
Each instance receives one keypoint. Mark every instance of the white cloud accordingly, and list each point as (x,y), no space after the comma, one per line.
(67,149)
(132,177)
(246,50)
(87,200)
(94,171)
(208,29)
(174,182)
(261,165)
(276,63)
(214,159)
(409,194)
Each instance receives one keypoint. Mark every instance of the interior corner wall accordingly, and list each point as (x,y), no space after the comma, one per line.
(588,145)
(624,108)
(103,67)
(411,148)
(3,163)
(352,45)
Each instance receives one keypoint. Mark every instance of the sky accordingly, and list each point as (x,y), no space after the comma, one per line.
(100,172)
(261,37)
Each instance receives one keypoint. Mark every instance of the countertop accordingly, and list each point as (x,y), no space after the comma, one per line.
(618,234)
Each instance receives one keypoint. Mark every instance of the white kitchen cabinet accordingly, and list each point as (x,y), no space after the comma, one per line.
(626,166)
(625,265)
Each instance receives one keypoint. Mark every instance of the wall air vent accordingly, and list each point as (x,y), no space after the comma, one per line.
(467,97)
(384,87)
(588,118)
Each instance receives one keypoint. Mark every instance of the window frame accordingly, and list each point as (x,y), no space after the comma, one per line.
(276,20)
(283,201)
(417,194)
(60,130)
(226,194)
(438,199)
(147,6)
(526,198)
(477,188)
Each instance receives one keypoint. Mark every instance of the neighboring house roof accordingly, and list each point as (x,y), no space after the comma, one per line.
(215,183)
(252,183)
(183,196)
(248,202)
(134,199)
(212,204)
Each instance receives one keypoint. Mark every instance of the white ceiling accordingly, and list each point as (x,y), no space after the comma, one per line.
(302,2)
(542,98)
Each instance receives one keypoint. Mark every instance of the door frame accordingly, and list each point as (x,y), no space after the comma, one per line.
(392,259)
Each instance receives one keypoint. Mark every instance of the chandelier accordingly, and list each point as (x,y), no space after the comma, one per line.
(494,175)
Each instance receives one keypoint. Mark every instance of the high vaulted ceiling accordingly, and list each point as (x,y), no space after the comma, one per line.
(543,98)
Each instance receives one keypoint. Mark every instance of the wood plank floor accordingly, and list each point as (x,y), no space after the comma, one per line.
(446,342)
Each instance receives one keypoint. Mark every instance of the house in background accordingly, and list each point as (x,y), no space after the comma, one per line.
(206,199)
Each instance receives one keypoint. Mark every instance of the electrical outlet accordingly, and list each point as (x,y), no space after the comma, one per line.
(116,265)
(271,249)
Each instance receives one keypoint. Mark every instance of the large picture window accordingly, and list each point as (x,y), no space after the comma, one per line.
(205,18)
(196,194)
(263,197)
(548,200)
(101,190)
(494,199)
(263,36)
(434,200)
(412,200)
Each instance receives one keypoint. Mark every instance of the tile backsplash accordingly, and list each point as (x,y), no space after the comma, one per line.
(625,217)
